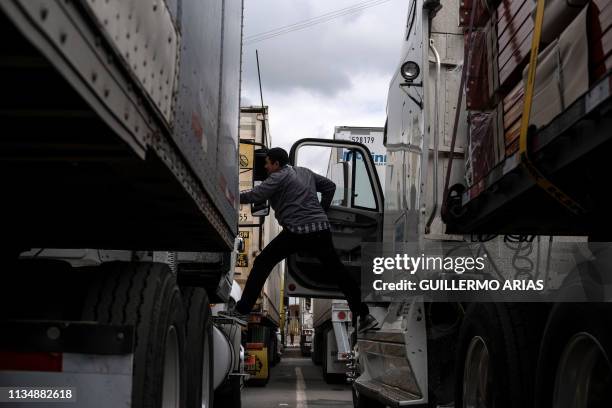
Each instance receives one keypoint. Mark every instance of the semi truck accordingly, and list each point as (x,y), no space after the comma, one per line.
(119,162)
(332,317)
(306,324)
(489,138)
(331,345)
(257,230)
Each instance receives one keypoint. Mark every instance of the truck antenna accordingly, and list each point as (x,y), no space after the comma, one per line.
(265,135)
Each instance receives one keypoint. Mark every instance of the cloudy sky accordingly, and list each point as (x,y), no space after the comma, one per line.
(330,74)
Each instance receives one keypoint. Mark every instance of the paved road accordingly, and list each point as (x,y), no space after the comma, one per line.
(297,383)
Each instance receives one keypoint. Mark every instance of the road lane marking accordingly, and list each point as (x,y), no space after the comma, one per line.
(300,389)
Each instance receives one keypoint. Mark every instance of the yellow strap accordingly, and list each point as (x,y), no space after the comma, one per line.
(533,171)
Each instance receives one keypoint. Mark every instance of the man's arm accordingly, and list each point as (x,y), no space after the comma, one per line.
(327,188)
(263,191)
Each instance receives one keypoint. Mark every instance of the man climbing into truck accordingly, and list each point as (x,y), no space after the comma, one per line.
(292,192)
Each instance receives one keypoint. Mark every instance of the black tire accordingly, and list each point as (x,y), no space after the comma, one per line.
(566,322)
(277,353)
(199,348)
(228,393)
(362,401)
(316,351)
(330,378)
(144,295)
(510,335)
(272,349)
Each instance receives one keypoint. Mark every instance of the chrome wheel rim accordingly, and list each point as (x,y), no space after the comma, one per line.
(172,378)
(476,379)
(584,375)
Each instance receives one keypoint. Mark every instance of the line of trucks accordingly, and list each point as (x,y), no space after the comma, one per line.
(121,135)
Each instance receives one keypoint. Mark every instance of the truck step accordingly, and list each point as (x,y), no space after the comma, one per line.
(391,396)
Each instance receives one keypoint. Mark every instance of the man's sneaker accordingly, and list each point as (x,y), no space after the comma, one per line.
(367,323)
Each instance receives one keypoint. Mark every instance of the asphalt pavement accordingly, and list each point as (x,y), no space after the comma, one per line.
(297,383)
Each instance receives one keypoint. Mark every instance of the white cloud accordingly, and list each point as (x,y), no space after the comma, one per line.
(333,74)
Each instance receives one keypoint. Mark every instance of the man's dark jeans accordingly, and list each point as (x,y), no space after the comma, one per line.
(320,245)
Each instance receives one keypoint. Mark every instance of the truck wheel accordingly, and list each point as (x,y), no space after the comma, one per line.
(496,354)
(144,295)
(575,365)
(228,393)
(277,353)
(316,349)
(272,350)
(330,378)
(199,348)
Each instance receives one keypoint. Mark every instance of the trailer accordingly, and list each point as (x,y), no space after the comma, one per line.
(257,231)
(489,139)
(119,162)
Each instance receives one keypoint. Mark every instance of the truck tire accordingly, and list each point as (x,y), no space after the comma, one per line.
(228,393)
(277,353)
(574,367)
(330,378)
(316,349)
(272,349)
(499,341)
(199,348)
(144,295)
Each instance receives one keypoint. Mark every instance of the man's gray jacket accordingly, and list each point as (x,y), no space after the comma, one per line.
(292,192)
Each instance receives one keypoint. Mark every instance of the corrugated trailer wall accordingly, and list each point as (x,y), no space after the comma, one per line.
(256,237)
(148,153)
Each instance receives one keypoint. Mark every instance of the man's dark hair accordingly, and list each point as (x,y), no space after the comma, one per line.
(277,154)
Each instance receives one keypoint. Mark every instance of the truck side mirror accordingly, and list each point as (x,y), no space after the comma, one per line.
(260,209)
(259,162)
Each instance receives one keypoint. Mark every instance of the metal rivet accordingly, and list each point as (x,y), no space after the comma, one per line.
(120,336)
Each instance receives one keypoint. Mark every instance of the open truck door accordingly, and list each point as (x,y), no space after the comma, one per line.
(356,213)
